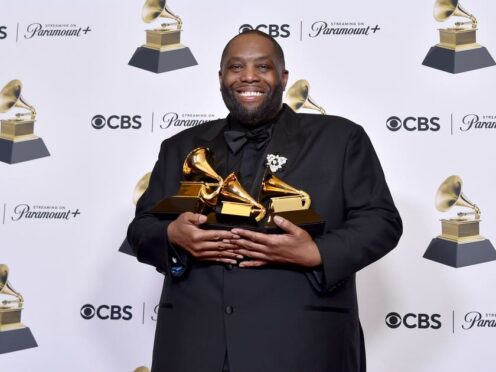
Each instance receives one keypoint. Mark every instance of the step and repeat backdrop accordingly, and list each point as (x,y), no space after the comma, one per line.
(90,89)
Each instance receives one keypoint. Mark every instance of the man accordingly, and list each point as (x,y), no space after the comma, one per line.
(245,301)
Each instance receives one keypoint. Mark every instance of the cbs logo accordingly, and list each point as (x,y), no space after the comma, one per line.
(104,312)
(272,30)
(3,32)
(421,124)
(411,320)
(116,122)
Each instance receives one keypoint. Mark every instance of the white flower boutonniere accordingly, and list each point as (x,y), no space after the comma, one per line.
(275,162)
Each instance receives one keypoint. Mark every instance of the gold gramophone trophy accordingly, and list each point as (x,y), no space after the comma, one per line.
(297,97)
(163,50)
(457,50)
(139,190)
(460,243)
(14,335)
(288,202)
(237,208)
(17,139)
(198,191)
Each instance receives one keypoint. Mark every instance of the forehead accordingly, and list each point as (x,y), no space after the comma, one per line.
(250,46)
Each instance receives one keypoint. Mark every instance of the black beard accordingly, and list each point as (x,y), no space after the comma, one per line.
(267,110)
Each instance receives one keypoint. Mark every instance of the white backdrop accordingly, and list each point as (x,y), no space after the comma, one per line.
(61,265)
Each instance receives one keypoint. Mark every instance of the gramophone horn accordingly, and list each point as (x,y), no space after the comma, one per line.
(444,9)
(298,97)
(233,191)
(141,187)
(273,186)
(154,9)
(5,286)
(196,167)
(450,194)
(10,96)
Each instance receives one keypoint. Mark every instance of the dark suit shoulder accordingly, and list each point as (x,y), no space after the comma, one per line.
(328,124)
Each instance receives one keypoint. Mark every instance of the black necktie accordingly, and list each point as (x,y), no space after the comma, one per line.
(237,139)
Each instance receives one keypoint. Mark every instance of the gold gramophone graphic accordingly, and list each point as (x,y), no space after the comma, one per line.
(198,191)
(163,50)
(13,334)
(460,243)
(17,139)
(139,190)
(457,50)
(298,97)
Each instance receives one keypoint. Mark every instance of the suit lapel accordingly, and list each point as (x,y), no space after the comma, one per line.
(287,140)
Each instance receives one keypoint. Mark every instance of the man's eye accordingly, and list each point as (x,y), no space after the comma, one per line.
(263,67)
(236,67)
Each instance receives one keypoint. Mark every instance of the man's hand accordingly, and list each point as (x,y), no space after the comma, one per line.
(295,246)
(211,245)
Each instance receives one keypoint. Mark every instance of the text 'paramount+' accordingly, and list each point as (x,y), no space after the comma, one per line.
(42,212)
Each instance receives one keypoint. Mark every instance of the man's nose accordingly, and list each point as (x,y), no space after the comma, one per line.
(250,74)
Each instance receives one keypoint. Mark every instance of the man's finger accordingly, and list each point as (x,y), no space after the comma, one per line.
(286,225)
(258,256)
(214,255)
(252,235)
(250,245)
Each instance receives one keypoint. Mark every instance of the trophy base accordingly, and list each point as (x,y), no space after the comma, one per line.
(458,61)
(15,152)
(162,61)
(307,219)
(126,248)
(175,205)
(15,340)
(458,254)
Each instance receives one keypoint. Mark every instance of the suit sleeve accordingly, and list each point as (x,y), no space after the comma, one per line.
(147,234)
(372,225)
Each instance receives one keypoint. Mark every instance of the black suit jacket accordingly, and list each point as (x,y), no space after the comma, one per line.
(274,318)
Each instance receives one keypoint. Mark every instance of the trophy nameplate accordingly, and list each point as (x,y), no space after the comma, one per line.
(460,243)
(163,50)
(14,335)
(18,142)
(457,50)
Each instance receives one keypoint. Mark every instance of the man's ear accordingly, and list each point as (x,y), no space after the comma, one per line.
(220,79)
(284,78)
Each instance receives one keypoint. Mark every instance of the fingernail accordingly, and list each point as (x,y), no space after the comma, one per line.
(239,257)
(278,219)
(235,231)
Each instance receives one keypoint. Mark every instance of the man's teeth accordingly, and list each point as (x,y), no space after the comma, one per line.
(250,94)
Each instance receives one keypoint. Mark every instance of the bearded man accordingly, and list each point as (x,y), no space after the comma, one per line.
(245,301)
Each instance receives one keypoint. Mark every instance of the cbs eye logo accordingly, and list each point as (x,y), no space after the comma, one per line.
(411,320)
(116,122)
(411,124)
(272,30)
(105,312)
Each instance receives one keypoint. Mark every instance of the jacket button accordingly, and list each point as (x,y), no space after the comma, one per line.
(229,310)
(229,266)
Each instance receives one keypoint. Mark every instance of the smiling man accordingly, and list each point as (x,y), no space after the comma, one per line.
(244,301)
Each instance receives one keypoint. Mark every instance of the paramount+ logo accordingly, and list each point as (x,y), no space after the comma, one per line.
(116,122)
(107,312)
(271,29)
(413,124)
(412,320)
(3,32)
